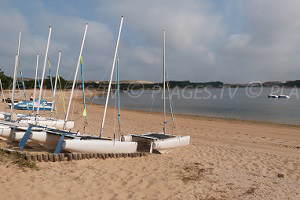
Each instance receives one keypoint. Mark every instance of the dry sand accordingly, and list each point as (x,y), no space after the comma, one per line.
(227,159)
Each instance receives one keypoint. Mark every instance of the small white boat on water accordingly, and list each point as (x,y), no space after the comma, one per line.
(160,141)
(283,96)
(278,96)
(272,96)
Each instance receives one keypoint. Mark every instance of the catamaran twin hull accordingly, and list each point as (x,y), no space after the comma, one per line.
(80,143)
(24,120)
(58,124)
(38,135)
(99,146)
(158,141)
(49,122)
(72,143)
(48,139)
(6,131)
(30,107)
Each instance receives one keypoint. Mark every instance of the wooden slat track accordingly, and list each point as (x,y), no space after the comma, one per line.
(49,157)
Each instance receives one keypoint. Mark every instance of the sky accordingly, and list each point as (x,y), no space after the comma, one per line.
(206,40)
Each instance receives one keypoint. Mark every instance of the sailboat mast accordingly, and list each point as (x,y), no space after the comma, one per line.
(111,76)
(76,72)
(43,74)
(2,93)
(15,76)
(19,45)
(55,84)
(164,79)
(20,68)
(14,88)
(35,77)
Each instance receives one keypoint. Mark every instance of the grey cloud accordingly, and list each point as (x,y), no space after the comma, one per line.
(235,41)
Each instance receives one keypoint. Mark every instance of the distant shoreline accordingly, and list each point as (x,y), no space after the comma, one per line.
(202,117)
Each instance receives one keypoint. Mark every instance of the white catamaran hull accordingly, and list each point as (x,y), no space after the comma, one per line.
(167,145)
(163,143)
(5,131)
(58,124)
(99,146)
(24,119)
(49,141)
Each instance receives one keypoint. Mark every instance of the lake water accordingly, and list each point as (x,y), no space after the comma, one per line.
(240,103)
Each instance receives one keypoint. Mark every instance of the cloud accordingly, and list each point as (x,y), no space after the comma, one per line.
(231,41)
(191,28)
(267,46)
(66,37)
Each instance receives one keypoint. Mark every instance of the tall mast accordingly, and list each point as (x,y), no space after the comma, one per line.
(164,78)
(15,76)
(14,88)
(55,84)
(20,68)
(111,76)
(76,72)
(2,91)
(43,74)
(35,77)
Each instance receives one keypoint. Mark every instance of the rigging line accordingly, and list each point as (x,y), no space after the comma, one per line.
(84,114)
(101,82)
(76,86)
(50,75)
(39,83)
(66,85)
(19,89)
(152,101)
(62,91)
(115,107)
(115,111)
(118,96)
(62,94)
(22,79)
(54,106)
(171,103)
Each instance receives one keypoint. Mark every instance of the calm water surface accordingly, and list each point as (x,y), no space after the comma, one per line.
(239,103)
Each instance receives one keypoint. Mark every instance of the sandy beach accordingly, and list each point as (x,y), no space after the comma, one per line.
(227,159)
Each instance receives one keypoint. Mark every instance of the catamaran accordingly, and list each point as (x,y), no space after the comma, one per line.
(44,105)
(101,144)
(21,122)
(160,141)
(29,105)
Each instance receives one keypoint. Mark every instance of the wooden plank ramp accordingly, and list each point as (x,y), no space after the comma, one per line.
(49,157)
